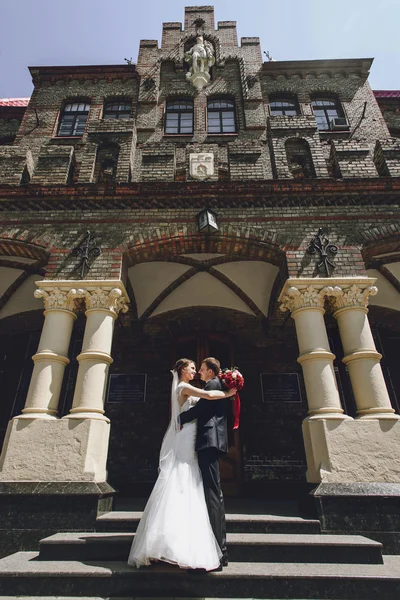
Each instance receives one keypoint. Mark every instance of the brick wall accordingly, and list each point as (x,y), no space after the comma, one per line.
(389,104)
(238,74)
(148,212)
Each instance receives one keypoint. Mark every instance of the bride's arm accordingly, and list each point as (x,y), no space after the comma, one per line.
(189,390)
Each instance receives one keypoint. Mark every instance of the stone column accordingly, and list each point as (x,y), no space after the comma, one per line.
(51,357)
(72,449)
(340,449)
(103,305)
(306,304)
(360,354)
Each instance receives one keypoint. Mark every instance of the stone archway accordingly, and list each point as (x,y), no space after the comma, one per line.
(21,264)
(186,288)
(245,269)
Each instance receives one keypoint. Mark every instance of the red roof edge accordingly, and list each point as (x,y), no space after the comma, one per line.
(14,101)
(387,93)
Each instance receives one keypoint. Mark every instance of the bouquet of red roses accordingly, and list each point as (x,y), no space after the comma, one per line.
(233,379)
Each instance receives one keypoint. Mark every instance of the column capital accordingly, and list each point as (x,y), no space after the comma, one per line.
(101,294)
(354,296)
(311,292)
(295,298)
(106,298)
(55,298)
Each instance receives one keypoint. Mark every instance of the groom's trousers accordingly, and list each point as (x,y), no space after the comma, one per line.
(209,467)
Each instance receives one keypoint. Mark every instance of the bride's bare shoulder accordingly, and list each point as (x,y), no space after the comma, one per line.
(182,393)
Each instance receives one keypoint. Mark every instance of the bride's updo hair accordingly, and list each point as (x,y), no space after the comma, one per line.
(181,364)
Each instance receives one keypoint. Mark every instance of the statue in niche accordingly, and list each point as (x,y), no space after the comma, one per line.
(201,59)
(107,172)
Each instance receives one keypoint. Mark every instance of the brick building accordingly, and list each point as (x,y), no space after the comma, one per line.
(103,173)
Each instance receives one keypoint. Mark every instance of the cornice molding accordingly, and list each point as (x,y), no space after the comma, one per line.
(318,192)
(303,68)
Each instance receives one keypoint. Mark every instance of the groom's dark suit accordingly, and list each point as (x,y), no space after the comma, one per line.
(211,441)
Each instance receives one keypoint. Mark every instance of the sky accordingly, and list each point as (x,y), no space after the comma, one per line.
(86,32)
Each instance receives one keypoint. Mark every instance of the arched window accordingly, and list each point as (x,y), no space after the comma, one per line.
(221,116)
(299,159)
(328,113)
(117,109)
(284,106)
(73,119)
(179,116)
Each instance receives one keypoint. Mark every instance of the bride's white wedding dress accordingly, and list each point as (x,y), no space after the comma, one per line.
(175,526)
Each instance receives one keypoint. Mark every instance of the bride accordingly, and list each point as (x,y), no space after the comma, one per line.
(175,526)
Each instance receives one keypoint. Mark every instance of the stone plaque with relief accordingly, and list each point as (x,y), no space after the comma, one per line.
(201,165)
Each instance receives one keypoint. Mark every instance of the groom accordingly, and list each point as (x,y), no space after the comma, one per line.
(211,441)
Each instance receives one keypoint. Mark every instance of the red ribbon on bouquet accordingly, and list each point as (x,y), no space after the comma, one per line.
(233,379)
(236,411)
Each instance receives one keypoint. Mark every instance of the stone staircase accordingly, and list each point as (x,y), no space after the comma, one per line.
(271,556)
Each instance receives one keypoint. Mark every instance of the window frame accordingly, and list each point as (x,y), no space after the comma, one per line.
(335,105)
(170,110)
(220,111)
(122,115)
(289,98)
(76,122)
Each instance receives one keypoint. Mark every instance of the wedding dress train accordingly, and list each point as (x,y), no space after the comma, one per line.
(175,526)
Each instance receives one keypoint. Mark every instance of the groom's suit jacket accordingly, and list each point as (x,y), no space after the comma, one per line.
(211,418)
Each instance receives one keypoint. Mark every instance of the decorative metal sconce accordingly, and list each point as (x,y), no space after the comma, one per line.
(86,252)
(207,221)
(320,244)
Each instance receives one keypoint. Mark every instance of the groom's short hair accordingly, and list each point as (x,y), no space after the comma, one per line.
(213,364)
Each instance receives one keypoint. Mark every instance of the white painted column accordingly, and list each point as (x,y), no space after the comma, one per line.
(103,305)
(52,449)
(51,357)
(360,354)
(306,304)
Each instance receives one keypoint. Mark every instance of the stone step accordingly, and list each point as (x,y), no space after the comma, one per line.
(235,523)
(23,574)
(242,547)
(110,598)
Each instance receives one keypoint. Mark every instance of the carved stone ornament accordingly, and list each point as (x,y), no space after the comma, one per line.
(105,298)
(201,165)
(55,298)
(309,297)
(352,296)
(200,58)
(59,299)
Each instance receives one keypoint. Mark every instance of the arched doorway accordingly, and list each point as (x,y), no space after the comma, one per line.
(195,299)
(21,318)
(220,346)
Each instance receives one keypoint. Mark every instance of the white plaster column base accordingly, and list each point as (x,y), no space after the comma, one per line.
(103,305)
(47,376)
(315,358)
(363,361)
(51,358)
(351,451)
(90,386)
(320,382)
(55,450)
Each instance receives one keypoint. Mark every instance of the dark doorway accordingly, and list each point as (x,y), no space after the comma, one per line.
(16,367)
(197,347)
